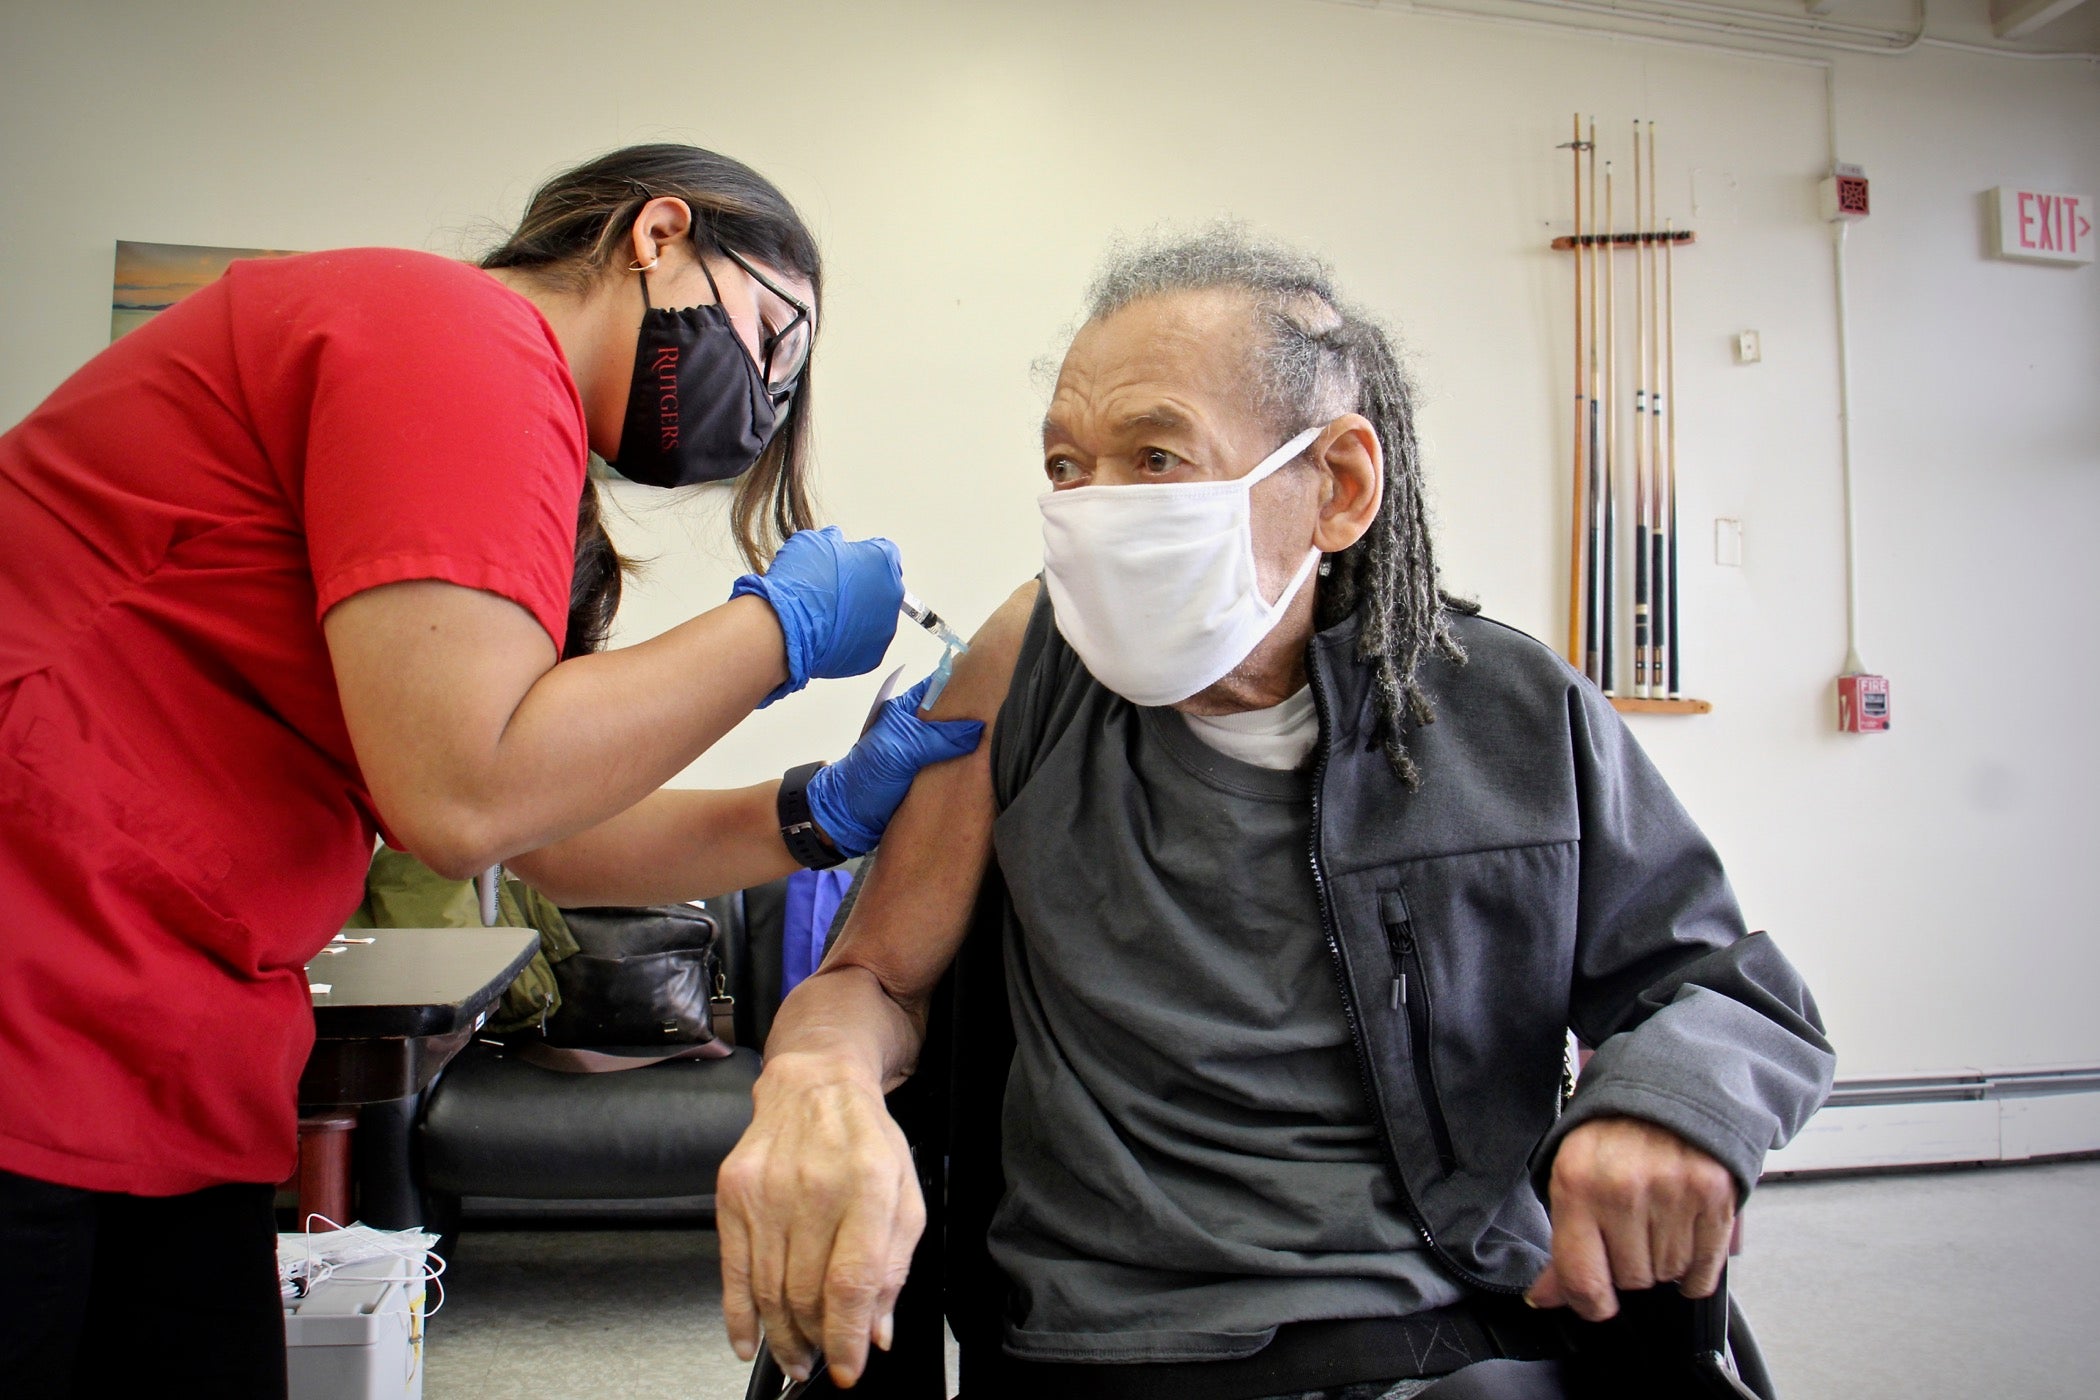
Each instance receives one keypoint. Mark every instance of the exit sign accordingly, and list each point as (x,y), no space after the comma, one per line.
(2039,226)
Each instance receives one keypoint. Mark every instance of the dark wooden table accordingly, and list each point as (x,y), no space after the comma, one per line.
(400,1002)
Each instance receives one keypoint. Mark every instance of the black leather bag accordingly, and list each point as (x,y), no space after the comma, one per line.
(641,979)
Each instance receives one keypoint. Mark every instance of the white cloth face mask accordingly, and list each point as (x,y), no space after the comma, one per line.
(1154,584)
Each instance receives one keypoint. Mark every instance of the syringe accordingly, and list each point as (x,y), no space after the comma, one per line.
(930,620)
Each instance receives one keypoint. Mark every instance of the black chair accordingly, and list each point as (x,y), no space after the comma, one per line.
(494,1135)
(949,1112)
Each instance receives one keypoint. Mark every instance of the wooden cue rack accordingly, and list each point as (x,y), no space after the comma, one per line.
(1634,704)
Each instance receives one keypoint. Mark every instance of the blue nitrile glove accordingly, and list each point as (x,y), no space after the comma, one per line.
(837,602)
(854,798)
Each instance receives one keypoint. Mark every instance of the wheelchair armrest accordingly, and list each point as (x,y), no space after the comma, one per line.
(1663,1343)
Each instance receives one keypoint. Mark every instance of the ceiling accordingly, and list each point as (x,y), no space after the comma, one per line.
(2067,26)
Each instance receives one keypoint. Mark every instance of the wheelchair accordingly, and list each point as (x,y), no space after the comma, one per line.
(1661,1345)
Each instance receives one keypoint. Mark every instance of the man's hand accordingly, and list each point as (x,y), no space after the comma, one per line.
(818,1210)
(1633,1205)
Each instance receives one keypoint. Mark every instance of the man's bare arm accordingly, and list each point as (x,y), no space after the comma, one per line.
(818,1207)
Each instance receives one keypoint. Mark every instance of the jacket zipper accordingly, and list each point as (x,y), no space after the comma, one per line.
(1356,1033)
(1411,995)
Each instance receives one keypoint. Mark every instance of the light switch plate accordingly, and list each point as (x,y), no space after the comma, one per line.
(1728,543)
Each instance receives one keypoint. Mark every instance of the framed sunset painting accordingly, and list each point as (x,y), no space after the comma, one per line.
(151,277)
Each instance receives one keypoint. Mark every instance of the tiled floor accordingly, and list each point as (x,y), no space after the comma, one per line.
(1955,1284)
(1963,1283)
(630,1314)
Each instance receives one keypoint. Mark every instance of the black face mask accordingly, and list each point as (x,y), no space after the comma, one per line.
(698,409)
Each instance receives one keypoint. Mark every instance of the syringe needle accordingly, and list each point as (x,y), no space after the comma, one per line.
(927,618)
(941,674)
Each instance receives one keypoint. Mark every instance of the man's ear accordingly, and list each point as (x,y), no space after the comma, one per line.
(1352,482)
(663,221)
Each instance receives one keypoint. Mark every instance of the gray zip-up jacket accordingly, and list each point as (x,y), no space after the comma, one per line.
(1542,876)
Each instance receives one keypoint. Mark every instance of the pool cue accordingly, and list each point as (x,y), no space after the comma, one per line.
(1673,648)
(1640,432)
(1605,610)
(1592,661)
(1656,408)
(1577,560)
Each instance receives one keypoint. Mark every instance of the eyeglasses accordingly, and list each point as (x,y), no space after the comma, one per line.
(783,354)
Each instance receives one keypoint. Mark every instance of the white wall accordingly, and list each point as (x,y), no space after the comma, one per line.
(965,164)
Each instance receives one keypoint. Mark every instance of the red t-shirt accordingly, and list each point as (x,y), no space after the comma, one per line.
(182,821)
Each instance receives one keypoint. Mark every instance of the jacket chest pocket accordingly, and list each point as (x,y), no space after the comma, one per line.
(1409,995)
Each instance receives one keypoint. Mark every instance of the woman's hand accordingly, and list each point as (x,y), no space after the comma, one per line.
(854,798)
(837,601)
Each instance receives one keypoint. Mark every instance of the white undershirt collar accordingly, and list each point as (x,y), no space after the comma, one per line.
(1281,736)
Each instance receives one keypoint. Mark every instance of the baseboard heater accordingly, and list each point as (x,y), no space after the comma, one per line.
(657,1209)
(1948,1119)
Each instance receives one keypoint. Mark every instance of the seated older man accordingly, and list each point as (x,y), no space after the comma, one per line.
(1310,869)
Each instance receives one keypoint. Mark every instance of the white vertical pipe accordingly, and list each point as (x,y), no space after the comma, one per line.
(1852,661)
(1853,664)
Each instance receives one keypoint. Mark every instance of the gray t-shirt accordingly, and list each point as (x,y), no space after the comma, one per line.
(1189,1157)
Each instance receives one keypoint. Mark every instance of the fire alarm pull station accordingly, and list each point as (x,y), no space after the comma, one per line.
(1844,194)
(1863,703)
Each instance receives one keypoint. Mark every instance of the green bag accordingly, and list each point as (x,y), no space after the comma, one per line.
(402,892)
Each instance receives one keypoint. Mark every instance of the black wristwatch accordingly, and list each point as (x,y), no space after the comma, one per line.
(797,827)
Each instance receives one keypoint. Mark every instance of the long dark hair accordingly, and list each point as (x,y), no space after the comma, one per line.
(1318,357)
(594,586)
(575,230)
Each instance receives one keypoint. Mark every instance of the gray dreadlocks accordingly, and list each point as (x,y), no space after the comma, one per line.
(1317,358)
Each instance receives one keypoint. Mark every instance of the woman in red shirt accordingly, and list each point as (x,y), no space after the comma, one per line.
(290,566)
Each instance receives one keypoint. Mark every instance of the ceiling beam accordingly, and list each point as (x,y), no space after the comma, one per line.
(2015,19)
